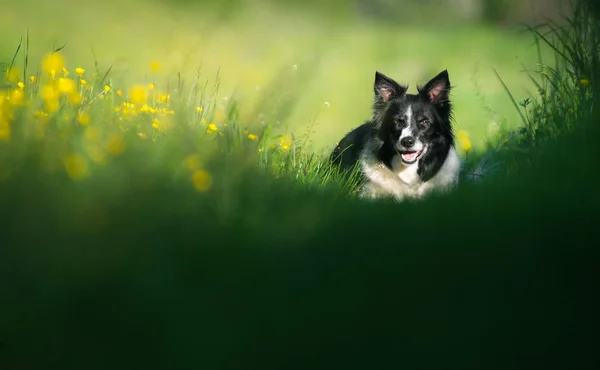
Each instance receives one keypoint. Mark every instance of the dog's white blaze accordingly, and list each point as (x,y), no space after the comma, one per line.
(409,114)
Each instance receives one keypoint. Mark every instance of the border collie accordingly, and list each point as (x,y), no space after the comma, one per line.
(407,148)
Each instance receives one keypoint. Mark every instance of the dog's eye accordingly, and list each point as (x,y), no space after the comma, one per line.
(423,121)
(396,122)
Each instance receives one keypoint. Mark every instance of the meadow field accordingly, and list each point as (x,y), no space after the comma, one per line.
(165,202)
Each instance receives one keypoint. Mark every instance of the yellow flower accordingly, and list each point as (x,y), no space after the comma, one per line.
(142,135)
(150,86)
(75,98)
(83,118)
(252,137)
(117,109)
(116,144)
(80,71)
(83,82)
(203,121)
(53,62)
(119,92)
(193,162)
(164,97)
(12,74)
(584,82)
(202,180)
(211,128)
(48,93)
(137,94)
(465,142)
(51,105)
(106,88)
(76,166)
(16,97)
(32,79)
(66,85)
(199,109)
(155,123)
(155,66)
(286,142)
(21,85)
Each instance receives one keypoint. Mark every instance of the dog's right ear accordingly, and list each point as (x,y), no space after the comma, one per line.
(385,88)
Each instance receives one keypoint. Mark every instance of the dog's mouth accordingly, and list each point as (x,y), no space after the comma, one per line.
(411,156)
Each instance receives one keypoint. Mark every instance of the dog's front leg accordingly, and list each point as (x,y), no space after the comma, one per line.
(383,182)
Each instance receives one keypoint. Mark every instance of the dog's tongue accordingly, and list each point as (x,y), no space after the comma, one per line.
(409,157)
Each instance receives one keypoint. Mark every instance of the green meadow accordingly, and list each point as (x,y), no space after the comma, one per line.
(165,202)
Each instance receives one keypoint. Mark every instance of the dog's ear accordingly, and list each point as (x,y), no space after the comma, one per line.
(438,89)
(385,88)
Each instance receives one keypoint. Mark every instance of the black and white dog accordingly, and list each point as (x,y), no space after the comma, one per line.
(407,148)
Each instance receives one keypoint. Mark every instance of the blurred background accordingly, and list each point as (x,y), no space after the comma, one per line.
(333,47)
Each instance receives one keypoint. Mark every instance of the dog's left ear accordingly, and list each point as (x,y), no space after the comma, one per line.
(438,89)
(386,88)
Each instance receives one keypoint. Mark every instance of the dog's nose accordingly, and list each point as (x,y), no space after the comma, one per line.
(407,142)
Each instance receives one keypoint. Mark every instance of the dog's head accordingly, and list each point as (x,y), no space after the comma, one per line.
(413,123)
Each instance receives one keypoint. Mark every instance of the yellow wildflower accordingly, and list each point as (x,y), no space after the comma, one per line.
(199,109)
(32,79)
(203,121)
(150,86)
(252,137)
(286,142)
(142,135)
(155,66)
(83,118)
(75,98)
(51,105)
(211,128)
(202,180)
(76,166)
(137,94)
(66,85)
(53,62)
(155,123)
(164,98)
(83,82)
(119,92)
(465,142)
(21,85)
(16,97)
(106,88)
(80,71)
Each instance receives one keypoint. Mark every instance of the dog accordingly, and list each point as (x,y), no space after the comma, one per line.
(407,149)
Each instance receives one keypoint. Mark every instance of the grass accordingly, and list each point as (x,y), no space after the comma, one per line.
(128,245)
